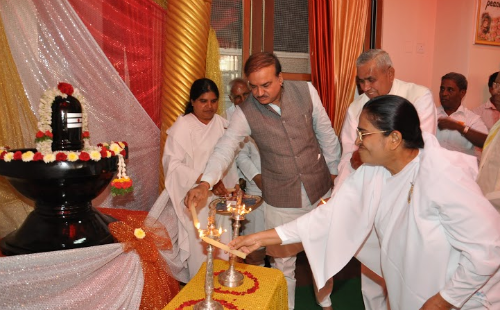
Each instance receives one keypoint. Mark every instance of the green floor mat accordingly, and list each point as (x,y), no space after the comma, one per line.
(346,295)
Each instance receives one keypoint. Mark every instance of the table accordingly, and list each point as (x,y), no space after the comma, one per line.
(262,288)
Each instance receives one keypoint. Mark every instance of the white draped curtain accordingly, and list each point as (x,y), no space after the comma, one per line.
(50,44)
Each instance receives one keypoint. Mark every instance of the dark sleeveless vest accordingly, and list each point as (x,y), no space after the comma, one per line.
(289,151)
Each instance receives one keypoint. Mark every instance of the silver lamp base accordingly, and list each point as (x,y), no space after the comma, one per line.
(208,305)
(231,278)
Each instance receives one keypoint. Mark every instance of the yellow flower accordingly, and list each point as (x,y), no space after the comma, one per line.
(139,233)
(8,157)
(28,156)
(49,158)
(95,155)
(121,144)
(115,148)
(72,156)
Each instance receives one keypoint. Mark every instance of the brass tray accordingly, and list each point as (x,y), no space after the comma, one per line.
(250,201)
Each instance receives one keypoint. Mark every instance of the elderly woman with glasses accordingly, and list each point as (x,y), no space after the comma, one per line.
(437,240)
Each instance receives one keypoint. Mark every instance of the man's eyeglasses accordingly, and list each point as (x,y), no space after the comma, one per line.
(241,97)
(361,134)
(496,84)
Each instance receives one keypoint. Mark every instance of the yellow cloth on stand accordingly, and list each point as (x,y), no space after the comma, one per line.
(262,288)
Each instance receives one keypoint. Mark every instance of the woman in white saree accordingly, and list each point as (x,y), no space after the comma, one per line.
(437,240)
(191,140)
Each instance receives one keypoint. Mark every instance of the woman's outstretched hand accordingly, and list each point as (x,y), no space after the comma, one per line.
(250,243)
(246,244)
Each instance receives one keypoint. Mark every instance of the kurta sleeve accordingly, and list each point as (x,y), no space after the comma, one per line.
(348,138)
(426,110)
(333,232)
(227,148)
(472,226)
(325,134)
(245,163)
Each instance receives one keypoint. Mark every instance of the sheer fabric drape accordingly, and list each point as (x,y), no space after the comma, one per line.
(53,45)
(99,277)
(17,129)
(130,32)
(336,36)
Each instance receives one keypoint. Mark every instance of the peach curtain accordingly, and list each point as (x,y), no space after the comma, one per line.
(336,36)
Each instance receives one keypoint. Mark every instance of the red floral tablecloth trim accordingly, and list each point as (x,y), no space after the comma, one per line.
(251,290)
(189,303)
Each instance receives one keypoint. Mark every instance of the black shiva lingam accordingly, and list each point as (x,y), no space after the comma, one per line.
(62,176)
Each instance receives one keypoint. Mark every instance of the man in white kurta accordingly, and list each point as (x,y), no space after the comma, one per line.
(240,129)
(438,235)
(187,149)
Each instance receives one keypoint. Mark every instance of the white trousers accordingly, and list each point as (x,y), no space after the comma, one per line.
(287,266)
(373,290)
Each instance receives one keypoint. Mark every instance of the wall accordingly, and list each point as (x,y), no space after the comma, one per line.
(406,24)
(446,27)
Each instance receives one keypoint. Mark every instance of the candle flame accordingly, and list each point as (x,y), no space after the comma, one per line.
(220,230)
(197,225)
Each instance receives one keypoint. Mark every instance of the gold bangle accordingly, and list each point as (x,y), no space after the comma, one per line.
(466,130)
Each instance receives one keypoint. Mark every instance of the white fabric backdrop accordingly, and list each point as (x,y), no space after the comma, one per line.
(50,44)
(99,277)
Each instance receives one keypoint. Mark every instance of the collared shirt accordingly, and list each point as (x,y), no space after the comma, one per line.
(488,113)
(239,129)
(454,140)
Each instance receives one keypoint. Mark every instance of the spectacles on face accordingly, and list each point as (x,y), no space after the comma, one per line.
(496,84)
(361,134)
(241,97)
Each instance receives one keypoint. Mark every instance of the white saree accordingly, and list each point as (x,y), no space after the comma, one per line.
(187,149)
(439,235)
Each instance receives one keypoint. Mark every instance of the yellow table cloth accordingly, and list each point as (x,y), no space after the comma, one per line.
(262,288)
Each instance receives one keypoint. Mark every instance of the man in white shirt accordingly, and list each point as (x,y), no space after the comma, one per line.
(376,77)
(298,147)
(490,110)
(460,129)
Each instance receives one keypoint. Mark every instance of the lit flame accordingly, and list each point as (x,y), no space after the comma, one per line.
(220,230)
(198,226)
(323,201)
